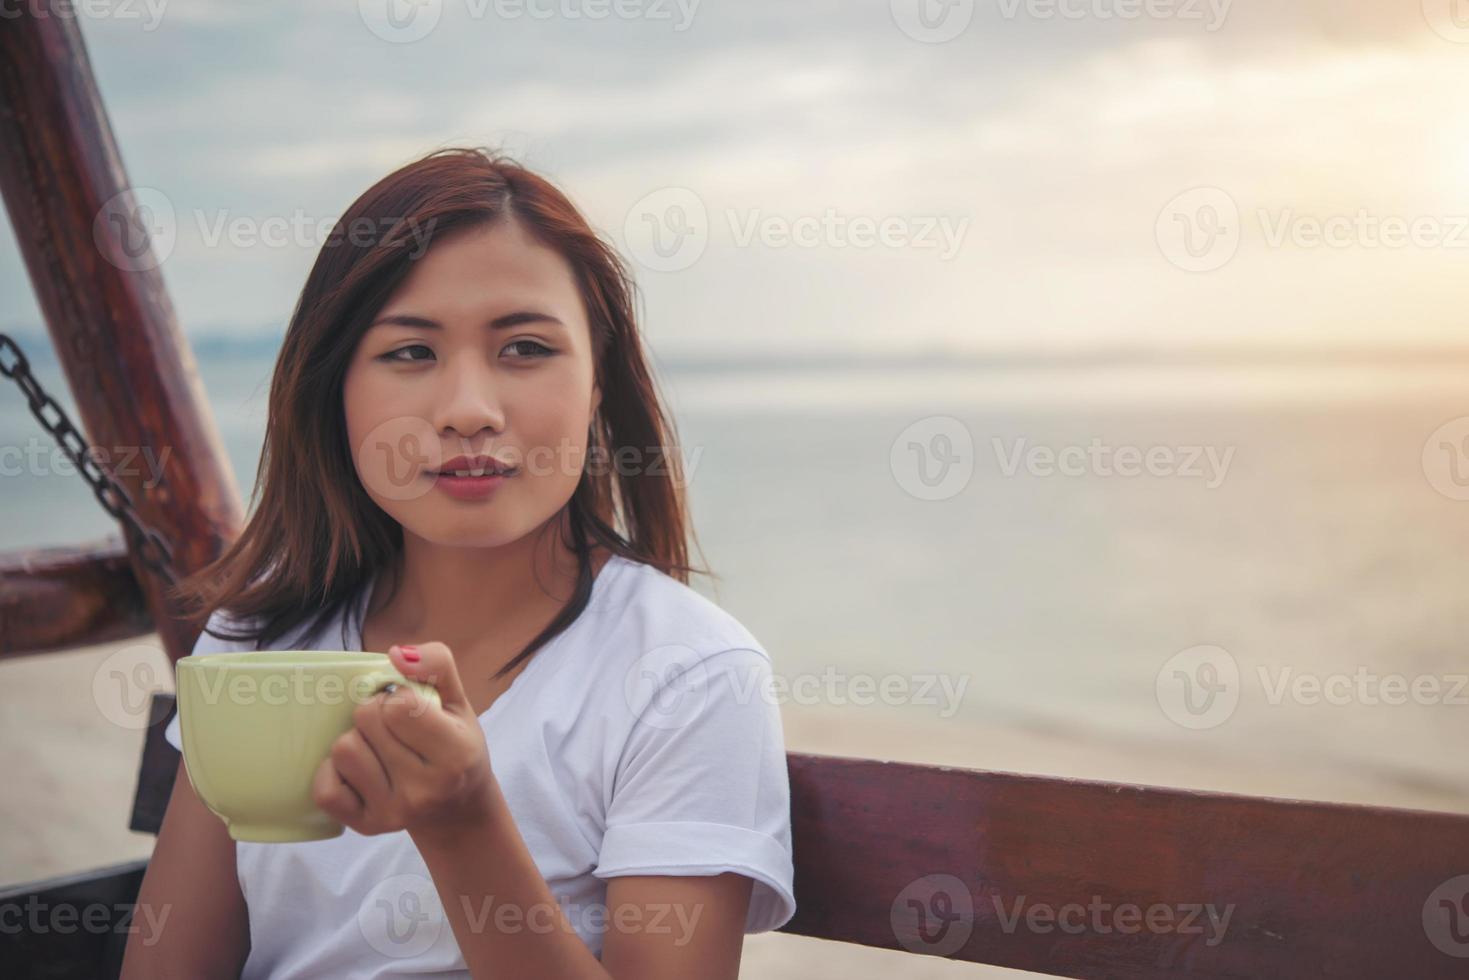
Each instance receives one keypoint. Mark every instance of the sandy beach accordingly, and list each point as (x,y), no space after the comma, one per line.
(69,788)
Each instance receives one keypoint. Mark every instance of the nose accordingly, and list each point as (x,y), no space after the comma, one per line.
(467,401)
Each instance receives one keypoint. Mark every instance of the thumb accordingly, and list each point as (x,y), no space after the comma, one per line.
(433,664)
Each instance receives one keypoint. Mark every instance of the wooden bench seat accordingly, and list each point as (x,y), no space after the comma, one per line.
(1058,876)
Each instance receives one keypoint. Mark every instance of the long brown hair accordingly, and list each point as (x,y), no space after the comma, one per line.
(316,537)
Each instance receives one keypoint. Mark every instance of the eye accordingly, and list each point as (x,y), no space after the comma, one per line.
(393,355)
(540,349)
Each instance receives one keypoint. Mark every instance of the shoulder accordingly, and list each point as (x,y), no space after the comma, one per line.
(654,641)
(224,633)
(645,608)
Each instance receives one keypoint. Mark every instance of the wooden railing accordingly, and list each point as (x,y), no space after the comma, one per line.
(102,295)
(1057,876)
(59,598)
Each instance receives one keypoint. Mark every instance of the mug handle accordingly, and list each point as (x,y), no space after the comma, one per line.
(367,685)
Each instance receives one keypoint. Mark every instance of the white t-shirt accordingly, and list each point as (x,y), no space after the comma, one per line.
(641,740)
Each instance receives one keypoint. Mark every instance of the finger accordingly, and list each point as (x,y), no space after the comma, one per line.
(372,720)
(333,796)
(435,665)
(417,724)
(360,769)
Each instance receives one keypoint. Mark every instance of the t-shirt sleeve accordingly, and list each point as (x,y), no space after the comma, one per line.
(207,644)
(701,785)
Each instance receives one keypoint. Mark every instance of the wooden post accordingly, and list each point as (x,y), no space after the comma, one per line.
(91,262)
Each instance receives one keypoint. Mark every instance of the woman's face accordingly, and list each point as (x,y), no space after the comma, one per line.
(483,350)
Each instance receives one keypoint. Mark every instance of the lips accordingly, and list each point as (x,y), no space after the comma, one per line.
(472,466)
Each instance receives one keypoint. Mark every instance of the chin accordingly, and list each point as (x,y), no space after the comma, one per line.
(470,534)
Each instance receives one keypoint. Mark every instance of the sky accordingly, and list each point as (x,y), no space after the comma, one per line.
(889,175)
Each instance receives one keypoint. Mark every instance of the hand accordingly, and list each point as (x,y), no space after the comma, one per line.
(406,764)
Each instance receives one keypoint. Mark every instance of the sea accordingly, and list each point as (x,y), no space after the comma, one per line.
(1265,550)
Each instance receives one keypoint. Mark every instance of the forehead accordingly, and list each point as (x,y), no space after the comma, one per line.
(489,265)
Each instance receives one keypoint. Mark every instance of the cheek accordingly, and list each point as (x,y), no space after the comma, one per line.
(554,446)
(370,394)
(359,407)
(388,446)
(558,411)
(554,439)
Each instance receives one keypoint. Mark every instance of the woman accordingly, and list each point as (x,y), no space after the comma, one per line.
(467,467)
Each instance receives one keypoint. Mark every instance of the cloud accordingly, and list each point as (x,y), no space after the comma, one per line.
(1059,140)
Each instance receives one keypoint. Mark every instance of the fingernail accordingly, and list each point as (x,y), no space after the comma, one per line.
(410,654)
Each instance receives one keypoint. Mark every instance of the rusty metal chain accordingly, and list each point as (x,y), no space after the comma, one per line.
(143,540)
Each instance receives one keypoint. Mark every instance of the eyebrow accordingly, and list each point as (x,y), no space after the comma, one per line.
(499,323)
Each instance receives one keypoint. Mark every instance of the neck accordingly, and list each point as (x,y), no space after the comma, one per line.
(462,596)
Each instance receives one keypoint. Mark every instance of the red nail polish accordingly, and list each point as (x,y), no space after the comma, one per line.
(410,654)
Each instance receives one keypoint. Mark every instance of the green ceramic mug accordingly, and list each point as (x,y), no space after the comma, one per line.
(256,725)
